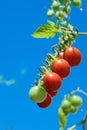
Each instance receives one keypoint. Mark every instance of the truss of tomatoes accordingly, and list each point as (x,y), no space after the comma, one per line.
(52,81)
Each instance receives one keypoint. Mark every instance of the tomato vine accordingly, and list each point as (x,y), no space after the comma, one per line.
(57,65)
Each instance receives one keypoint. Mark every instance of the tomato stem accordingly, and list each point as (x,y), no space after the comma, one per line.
(83,123)
(82,34)
(79,90)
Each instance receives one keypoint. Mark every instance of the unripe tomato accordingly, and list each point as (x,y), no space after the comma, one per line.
(50,13)
(76,3)
(66,105)
(61,67)
(68,9)
(52,81)
(55,5)
(46,103)
(64,1)
(73,109)
(60,15)
(73,56)
(76,100)
(37,94)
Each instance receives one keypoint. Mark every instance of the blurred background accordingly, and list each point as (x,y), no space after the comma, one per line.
(21,56)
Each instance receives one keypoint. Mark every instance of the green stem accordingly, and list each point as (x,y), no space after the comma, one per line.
(83,123)
(82,34)
(84,127)
(79,90)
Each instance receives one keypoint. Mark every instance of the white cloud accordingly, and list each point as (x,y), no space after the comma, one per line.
(6,82)
(9,82)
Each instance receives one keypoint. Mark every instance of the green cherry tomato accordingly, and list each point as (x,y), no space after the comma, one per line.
(50,13)
(66,105)
(73,109)
(68,9)
(62,117)
(60,15)
(76,3)
(55,5)
(37,94)
(64,1)
(76,100)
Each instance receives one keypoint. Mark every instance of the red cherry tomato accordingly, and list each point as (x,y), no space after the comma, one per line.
(73,56)
(53,93)
(61,67)
(61,54)
(46,103)
(52,81)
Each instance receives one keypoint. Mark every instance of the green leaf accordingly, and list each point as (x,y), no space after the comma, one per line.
(51,23)
(46,31)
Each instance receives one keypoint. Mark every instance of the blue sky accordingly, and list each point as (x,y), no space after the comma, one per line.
(20,58)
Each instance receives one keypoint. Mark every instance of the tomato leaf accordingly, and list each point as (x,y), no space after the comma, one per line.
(51,23)
(46,31)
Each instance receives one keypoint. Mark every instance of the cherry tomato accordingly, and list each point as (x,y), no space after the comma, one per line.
(61,54)
(73,56)
(76,3)
(66,105)
(76,100)
(52,81)
(60,15)
(50,13)
(37,94)
(61,67)
(46,103)
(68,9)
(64,1)
(55,5)
(53,93)
(73,109)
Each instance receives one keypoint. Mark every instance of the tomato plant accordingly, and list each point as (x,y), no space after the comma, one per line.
(57,65)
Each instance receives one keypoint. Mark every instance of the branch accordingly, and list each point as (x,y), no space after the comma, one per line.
(83,123)
(82,34)
(79,90)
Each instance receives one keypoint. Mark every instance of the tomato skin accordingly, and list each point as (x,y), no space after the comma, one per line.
(73,109)
(76,100)
(73,56)
(76,3)
(61,55)
(54,93)
(46,103)
(50,13)
(37,94)
(52,81)
(66,105)
(61,67)
(55,5)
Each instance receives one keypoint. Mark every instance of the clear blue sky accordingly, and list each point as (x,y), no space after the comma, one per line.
(20,58)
